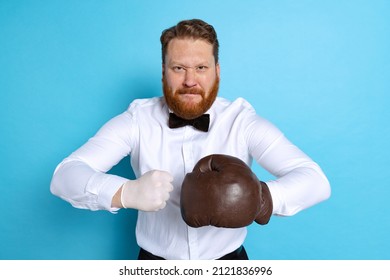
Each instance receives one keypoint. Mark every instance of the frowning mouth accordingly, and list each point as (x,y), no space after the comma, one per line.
(192,91)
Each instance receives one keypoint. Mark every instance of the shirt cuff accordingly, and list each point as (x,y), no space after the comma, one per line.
(104,187)
(276,197)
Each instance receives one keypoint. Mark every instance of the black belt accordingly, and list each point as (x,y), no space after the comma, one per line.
(238,254)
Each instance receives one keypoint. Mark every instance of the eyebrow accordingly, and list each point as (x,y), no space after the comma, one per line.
(182,64)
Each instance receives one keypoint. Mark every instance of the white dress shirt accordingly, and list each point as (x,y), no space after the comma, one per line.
(142,132)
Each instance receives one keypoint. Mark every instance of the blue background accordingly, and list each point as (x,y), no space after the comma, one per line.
(319,70)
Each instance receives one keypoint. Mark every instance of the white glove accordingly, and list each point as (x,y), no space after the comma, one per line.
(149,192)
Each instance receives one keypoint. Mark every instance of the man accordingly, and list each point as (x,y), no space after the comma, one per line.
(161,156)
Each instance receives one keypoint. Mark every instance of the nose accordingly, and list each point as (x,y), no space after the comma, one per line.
(190,78)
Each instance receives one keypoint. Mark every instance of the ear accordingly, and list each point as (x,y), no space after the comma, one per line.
(217,70)
(163,70)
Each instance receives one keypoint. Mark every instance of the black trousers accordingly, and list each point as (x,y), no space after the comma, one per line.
(239,254)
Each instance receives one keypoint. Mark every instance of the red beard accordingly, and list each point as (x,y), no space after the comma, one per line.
(189,111)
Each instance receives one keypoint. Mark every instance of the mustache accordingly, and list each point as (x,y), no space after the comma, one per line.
(190,91)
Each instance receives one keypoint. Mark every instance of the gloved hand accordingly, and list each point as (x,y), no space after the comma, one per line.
(149,192)
(223,191)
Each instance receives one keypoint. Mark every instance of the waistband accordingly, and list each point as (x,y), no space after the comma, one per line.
(238,254)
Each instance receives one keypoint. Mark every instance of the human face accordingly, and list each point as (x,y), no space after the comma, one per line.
(190,77)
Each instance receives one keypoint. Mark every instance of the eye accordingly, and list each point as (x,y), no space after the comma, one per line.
(202,68)
(178,69)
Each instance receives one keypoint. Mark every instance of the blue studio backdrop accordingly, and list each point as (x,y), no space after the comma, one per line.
(319,70)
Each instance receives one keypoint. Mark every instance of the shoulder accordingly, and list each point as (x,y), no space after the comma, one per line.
(241,112)
(238,102)
(145,103)
(237,106)
(148,112)
(147,107)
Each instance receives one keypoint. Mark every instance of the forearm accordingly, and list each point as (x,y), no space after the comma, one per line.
(300,189)
(83,187)
(81,178)
(300,182)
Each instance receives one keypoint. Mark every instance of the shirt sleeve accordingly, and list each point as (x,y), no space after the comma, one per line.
(81,177)
(299,182)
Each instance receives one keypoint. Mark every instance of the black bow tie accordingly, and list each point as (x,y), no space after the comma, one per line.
(201,123)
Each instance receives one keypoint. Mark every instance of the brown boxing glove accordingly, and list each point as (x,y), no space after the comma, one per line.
(223,191)
(266,207)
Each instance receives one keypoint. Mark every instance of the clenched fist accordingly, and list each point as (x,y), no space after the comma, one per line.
(149,192)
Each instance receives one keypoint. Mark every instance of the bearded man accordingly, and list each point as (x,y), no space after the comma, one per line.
(166,137)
